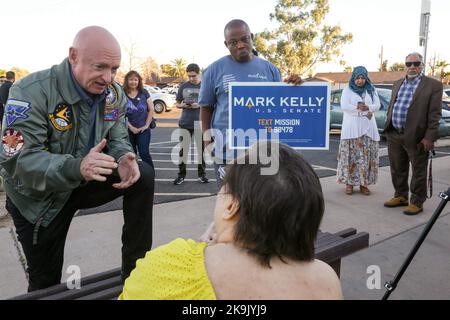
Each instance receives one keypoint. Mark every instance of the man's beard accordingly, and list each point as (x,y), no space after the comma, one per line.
(412,76)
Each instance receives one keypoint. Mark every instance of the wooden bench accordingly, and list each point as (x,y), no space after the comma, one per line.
(330,248)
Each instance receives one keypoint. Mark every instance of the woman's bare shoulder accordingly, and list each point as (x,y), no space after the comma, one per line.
(327,280)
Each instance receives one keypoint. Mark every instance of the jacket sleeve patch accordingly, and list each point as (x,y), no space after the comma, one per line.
(12,141)
(16,109)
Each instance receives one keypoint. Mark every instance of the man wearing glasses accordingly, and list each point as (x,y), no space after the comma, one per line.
(242,65)
(411,129)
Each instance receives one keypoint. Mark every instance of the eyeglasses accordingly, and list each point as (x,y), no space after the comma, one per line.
(234,42)
(415,64)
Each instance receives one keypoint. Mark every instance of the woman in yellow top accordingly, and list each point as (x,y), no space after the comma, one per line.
(263,246)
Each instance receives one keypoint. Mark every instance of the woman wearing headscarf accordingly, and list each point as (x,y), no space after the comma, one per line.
(358,150)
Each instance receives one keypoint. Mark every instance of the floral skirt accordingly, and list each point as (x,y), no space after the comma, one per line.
(358,162)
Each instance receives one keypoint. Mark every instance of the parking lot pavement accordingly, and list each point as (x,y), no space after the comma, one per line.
(164,151)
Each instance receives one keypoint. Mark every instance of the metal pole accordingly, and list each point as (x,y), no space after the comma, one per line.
(425,48)
(392,285)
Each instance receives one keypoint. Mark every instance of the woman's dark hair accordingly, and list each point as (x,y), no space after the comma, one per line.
(280,214)
(130,74)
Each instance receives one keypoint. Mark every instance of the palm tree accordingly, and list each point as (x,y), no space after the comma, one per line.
(180,67)
(398,66)
(441,65)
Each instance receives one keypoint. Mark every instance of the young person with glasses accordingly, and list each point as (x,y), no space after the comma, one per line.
(187,100)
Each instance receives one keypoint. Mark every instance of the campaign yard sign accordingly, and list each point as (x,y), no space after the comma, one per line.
(298,115)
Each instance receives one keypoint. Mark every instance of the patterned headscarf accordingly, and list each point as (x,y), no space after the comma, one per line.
(361,71)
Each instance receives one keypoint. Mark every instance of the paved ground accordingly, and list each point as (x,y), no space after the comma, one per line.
(164,152)
(94,244)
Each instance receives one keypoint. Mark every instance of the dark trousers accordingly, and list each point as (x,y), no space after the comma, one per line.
(400,157)
(184,152)
(45,256)
(141,145)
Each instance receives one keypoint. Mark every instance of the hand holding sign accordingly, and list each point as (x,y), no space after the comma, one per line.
(294,79)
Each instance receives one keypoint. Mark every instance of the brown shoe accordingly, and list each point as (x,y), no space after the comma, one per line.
(396,202)
(413,209)
(349,189)
(364,190)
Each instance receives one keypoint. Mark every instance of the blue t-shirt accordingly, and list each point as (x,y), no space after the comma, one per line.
(215,88)
(137,109)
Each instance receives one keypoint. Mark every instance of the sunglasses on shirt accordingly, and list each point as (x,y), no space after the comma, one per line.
(415,64)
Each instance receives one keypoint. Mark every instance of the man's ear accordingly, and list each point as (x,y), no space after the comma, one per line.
(73,55)
(252,36)
(225,43)
(232,209)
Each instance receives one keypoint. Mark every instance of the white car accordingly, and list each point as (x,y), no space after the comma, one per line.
(162,101)
(170,90)
(447,93)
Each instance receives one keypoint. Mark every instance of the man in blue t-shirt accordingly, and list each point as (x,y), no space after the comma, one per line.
(242,65)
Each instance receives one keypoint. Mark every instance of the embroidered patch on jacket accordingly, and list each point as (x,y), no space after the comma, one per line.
(112,96)
(16,109)
(111,109)
(12,141)
(111,113)
(62,117)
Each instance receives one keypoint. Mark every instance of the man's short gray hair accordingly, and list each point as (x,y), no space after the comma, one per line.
(415,54)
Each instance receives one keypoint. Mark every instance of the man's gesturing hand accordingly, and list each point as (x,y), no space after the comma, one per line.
(97,164)
(128,171)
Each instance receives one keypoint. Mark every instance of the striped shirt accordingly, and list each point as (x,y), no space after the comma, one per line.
(404,98)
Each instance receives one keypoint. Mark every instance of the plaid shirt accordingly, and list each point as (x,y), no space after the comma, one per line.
(403,102)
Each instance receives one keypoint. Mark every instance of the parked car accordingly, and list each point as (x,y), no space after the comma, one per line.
(170,90)
(447,93)
(446,104)
(161,101)
(384,86)
(336,114)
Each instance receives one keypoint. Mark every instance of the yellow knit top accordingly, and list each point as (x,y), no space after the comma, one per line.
(175,271)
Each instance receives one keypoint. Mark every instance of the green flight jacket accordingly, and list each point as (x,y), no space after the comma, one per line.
(45,134)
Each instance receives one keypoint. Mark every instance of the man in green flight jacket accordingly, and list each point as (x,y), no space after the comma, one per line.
(65,147)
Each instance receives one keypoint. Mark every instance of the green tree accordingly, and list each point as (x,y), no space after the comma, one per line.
(176,68)
(398,66)
(20,72)
(149,68)
(301,39)
(348,69)
(179,66)
(168,70)
(383,66)
(441,65)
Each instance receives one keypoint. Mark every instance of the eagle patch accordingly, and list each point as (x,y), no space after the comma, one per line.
(62,117)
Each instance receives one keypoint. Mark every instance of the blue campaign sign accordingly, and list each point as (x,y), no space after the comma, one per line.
(300,115)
